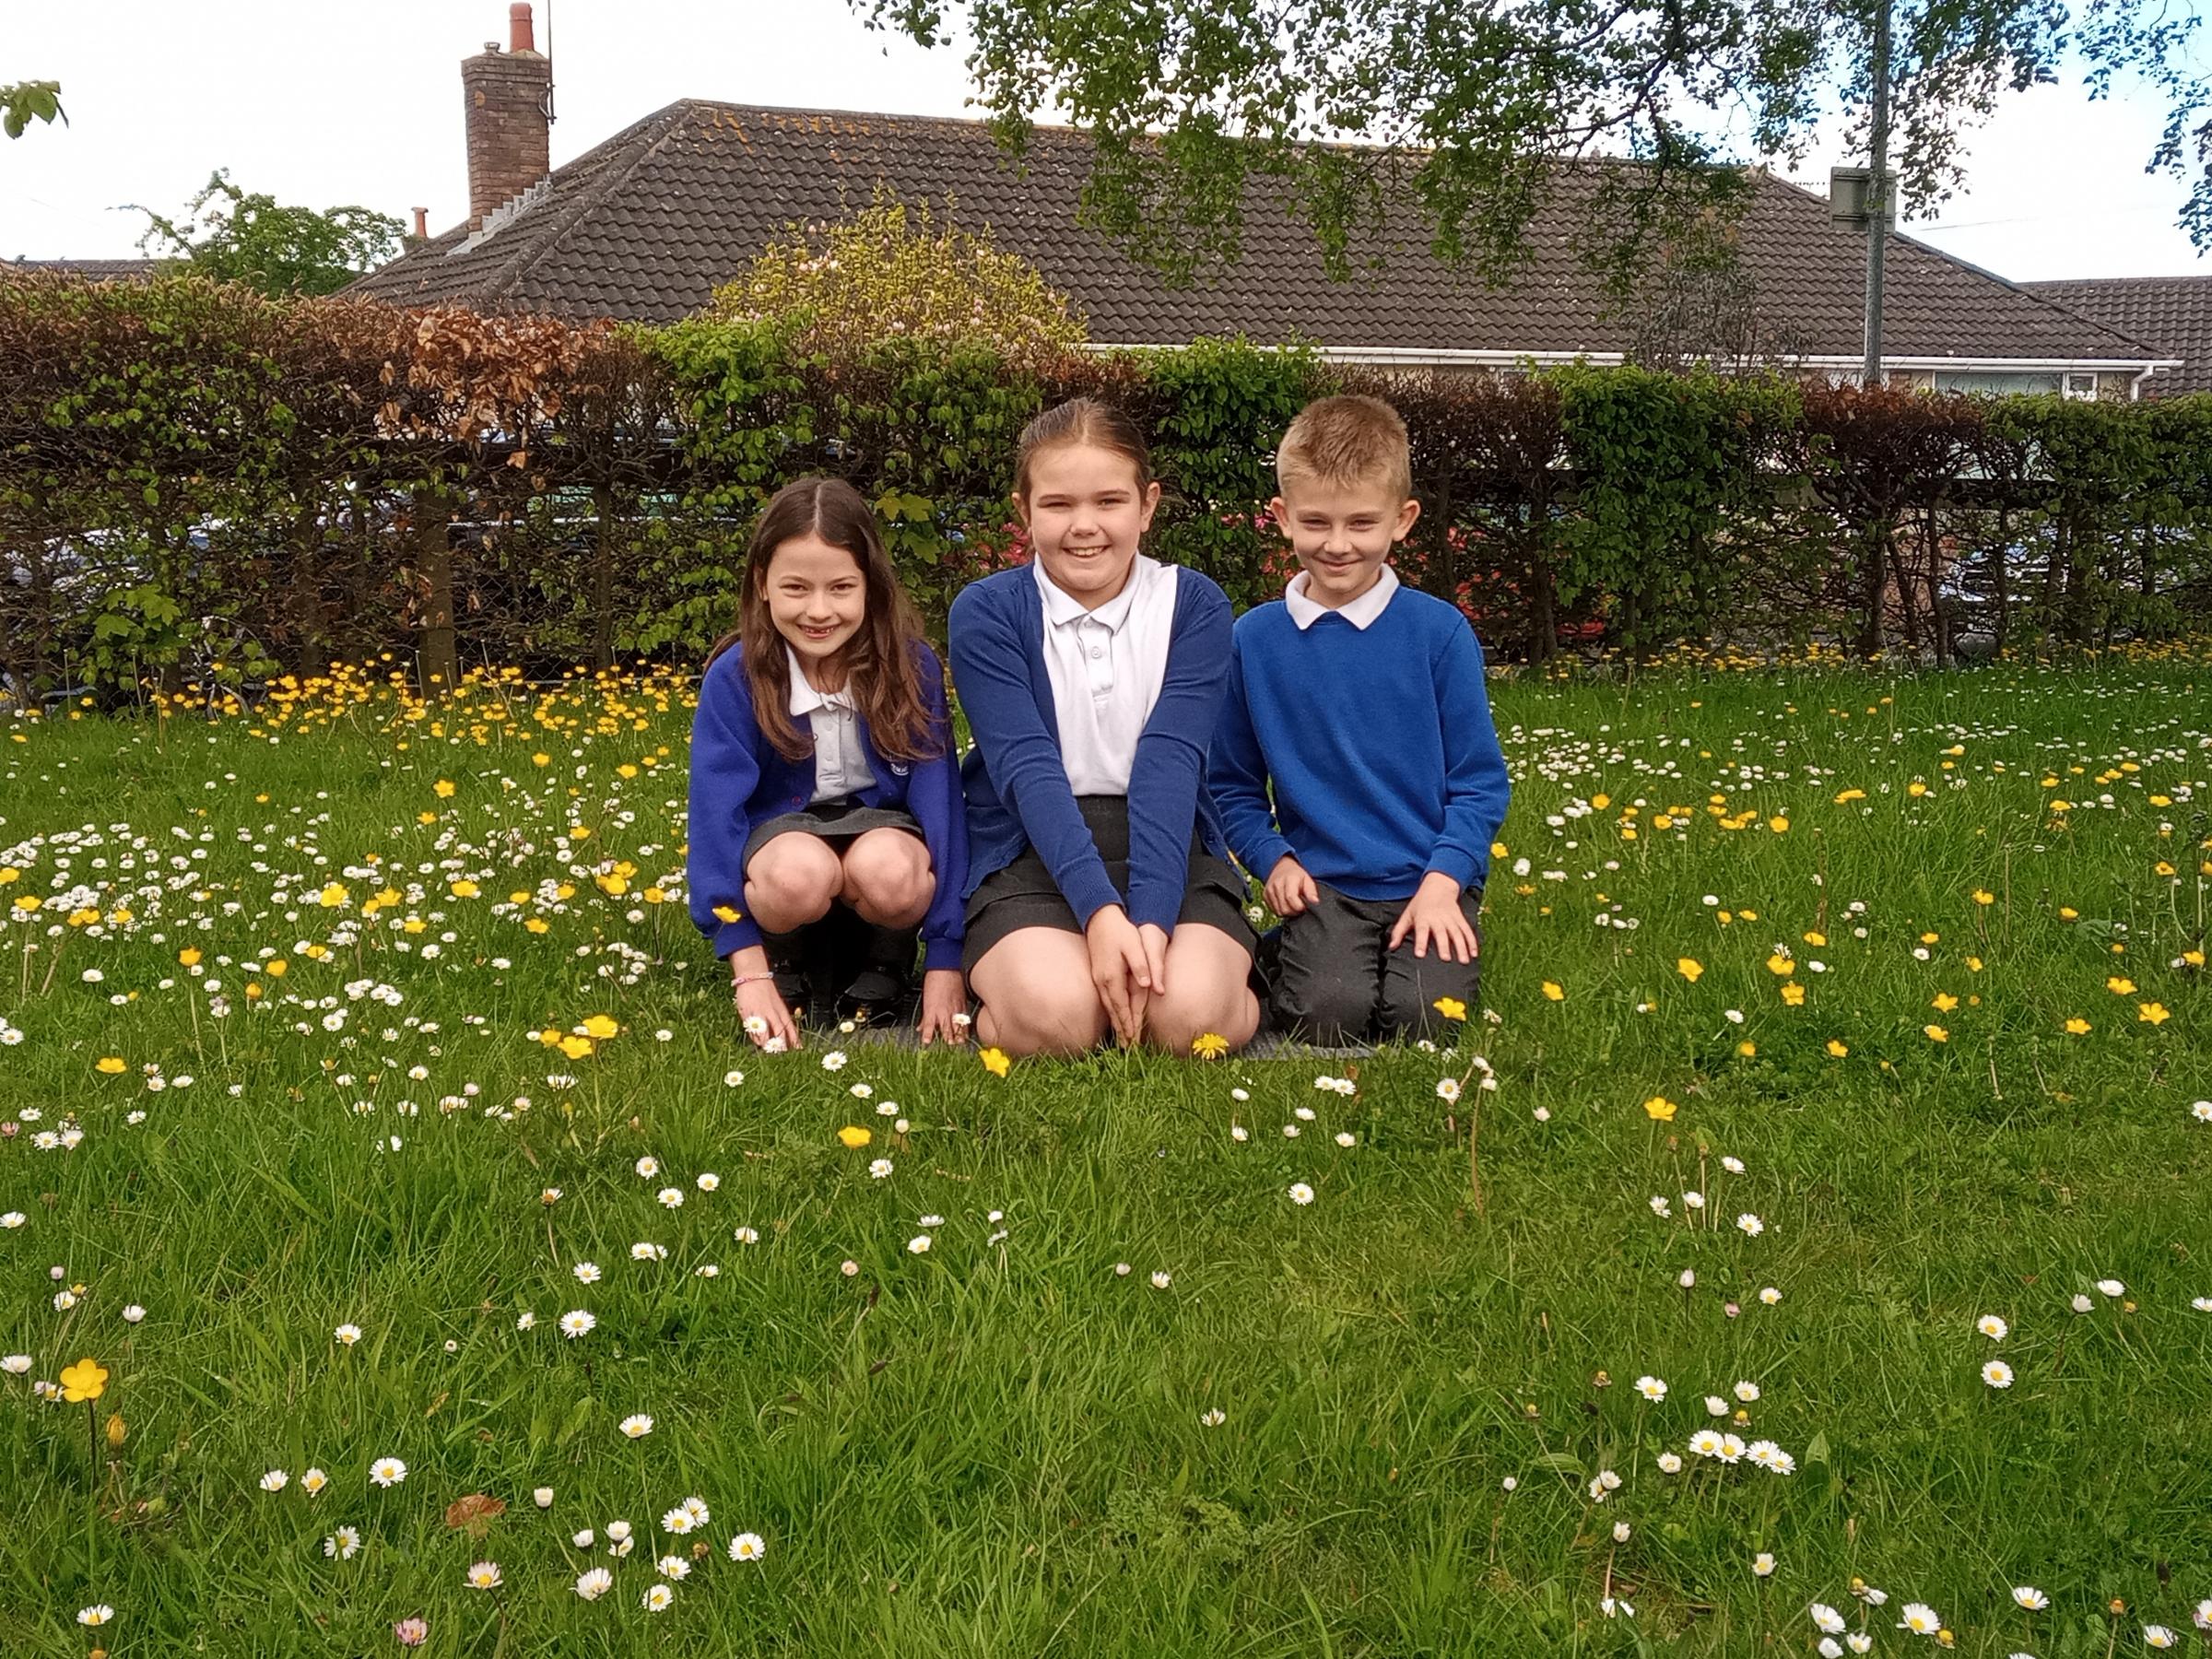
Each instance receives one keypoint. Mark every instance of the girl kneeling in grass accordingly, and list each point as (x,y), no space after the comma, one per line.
(824,787)
(1098,894)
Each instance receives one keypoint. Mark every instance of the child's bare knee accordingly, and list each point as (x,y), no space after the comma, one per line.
(890,881)
(788,887)
(1070,1021)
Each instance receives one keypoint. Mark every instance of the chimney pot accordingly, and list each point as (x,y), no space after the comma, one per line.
(520,37)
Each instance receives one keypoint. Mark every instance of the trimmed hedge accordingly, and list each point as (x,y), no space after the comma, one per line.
(193,475)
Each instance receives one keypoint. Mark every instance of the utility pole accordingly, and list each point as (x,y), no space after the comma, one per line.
(1877,196)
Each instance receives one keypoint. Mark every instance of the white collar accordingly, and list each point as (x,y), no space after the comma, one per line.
(805,698)
(1359,613)
(1061,608)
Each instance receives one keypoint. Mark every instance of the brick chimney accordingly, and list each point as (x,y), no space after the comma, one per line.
(507,94)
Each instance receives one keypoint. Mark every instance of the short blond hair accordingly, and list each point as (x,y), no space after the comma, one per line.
(1346,440)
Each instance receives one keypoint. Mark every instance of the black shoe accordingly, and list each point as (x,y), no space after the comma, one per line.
(832,948)
(884,986)
(787,962)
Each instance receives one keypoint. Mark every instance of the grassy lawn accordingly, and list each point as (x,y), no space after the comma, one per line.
(1077,1373)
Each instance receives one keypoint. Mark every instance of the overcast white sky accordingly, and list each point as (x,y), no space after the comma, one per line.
(324,104)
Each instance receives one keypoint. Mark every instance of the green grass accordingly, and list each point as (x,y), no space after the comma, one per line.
(996,1447)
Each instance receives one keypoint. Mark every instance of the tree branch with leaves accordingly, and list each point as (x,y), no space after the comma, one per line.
(1465,112)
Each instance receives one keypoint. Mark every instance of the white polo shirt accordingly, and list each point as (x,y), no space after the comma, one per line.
(1106,666)
(841,766)
(1360,613)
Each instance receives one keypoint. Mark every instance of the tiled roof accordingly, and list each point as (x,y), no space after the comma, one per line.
(649,223)
(2173,314)
(91,270)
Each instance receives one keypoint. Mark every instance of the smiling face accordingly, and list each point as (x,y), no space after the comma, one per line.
(1086,516)
(816,598)
(1342,533)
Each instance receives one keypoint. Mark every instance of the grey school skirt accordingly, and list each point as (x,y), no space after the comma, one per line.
(1025,895)
(837,821)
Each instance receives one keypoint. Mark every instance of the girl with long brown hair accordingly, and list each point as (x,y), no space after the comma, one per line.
(827,827)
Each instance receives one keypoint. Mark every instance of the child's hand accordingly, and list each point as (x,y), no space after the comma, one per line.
(1155,940)
(1434,915)
(761,1008)
(944,1000)
(1120,971)
(1289,888)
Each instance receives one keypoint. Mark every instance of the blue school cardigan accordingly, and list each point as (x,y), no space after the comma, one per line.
(738,779)
(1017,786)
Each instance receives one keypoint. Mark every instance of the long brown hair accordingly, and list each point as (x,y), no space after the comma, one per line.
(878,660)
(1082,420)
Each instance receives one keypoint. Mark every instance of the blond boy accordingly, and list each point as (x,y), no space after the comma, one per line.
(1357,767)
